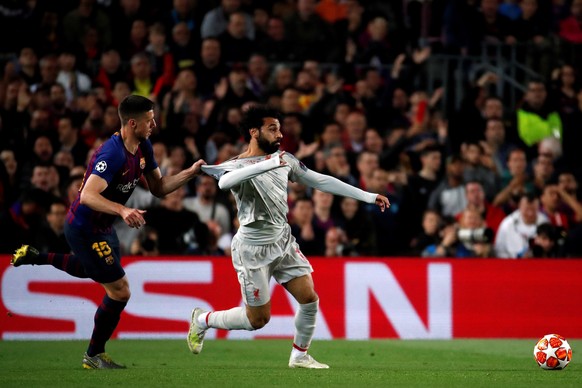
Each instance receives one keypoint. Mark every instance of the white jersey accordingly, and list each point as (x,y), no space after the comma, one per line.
(261,193)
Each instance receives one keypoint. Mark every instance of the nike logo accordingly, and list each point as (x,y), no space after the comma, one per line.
(125,172)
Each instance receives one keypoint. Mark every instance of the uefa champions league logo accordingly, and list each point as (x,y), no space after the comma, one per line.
(101,166)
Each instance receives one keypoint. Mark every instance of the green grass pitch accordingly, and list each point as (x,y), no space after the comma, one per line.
(263,363)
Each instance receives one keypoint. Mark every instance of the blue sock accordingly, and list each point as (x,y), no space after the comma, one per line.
(106,320)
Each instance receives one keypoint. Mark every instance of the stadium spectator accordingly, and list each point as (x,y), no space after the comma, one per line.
(336,164)
(49,71)
(322,209)
(386,224)
(50,237)
(275,45)
(570,204)
(20,223)
(146,244)
(374,45)
(188,235)
(9,179)
(335,238)
(42,153)
(366,163)
(550,201)
(183,47)
(206,204)
(571,27)
(142,81)
(305,229)
(359,229)
(480,167)
(27,66)
(573,137)
(122,15)
(495,146)
(70,140)
(417,192)
(535,118)
(543,172)
(469,238)
(109,72)
(430,234)
(216,20)
(565,85)
(448,198)
(516,230)
(311,36)
(532,28)
(158,49)
(259,71)
(87,18)
(492,215)
(74,80)
(547,243)
(515,182)
(236,46)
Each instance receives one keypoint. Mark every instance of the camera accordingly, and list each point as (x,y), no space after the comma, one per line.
(472,236)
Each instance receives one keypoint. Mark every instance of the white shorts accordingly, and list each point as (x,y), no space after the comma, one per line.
(283,261)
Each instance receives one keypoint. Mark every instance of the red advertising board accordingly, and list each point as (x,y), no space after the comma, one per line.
(359,299)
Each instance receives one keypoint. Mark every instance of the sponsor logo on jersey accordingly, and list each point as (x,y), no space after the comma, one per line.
(101,166)
(126,188)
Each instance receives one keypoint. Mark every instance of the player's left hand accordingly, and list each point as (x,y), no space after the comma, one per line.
(382,202)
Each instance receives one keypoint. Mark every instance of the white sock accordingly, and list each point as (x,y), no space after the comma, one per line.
(304,328)
(233,319)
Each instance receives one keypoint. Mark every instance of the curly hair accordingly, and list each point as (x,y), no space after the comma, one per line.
(254,118)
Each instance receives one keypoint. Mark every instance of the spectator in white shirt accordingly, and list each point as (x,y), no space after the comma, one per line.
(518,228)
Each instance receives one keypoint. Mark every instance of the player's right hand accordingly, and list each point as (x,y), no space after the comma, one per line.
(133,217)
(382,202)
(196,170)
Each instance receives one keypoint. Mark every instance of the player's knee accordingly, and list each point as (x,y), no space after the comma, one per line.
(259,321)
(121,295)
(312,297)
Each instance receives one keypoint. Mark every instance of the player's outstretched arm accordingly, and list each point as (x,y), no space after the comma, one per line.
(334,186)
(236,177)
(161,185)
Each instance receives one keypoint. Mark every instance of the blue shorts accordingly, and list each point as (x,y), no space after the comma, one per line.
(99,253)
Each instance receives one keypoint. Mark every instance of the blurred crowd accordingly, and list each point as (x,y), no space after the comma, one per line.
(349,77)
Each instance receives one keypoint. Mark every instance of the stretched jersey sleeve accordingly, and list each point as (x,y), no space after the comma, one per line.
(236,177)
(301,174)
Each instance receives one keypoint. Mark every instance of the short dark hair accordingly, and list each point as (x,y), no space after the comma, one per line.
(548,230)
(254,118)
(134,106)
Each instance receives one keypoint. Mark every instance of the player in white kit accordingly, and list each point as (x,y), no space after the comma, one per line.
(263,246)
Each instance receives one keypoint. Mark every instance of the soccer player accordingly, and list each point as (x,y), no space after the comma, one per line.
(264,246)
(112,174)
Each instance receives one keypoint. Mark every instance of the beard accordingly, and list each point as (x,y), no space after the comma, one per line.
(265,145)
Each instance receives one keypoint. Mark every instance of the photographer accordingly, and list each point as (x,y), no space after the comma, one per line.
(547,243)
(470,238)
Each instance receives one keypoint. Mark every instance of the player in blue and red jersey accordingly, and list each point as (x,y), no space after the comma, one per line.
(112,174)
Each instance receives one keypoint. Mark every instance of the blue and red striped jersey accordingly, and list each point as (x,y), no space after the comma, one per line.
(122,170)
